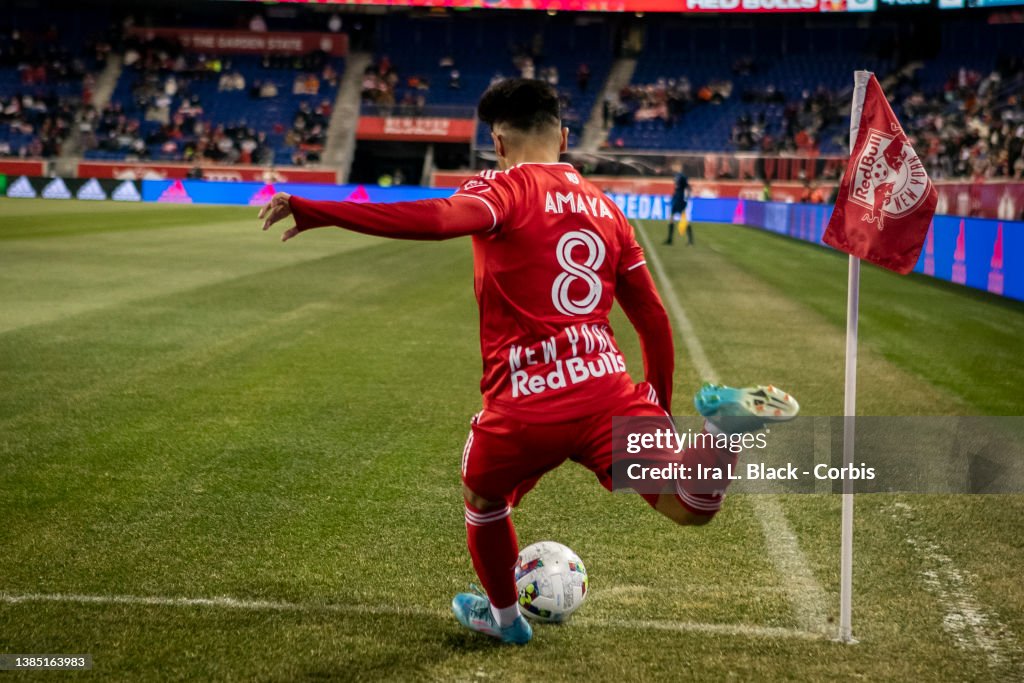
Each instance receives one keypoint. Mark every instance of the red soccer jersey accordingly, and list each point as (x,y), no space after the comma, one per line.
(551,254)
(545,280)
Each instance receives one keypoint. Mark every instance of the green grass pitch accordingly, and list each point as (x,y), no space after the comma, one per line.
(224,458)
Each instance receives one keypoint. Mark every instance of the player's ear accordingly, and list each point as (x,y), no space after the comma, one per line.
(564,146)
(499,144)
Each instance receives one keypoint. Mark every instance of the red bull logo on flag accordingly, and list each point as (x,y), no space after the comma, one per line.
(890,179)
(886,201)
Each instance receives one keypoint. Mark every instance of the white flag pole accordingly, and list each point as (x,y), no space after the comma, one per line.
(860,83)
(850,412)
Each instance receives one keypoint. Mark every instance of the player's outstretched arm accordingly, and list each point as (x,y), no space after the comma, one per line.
(639,299)
(427,219)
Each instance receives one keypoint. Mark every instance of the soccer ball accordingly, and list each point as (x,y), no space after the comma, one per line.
(552,581)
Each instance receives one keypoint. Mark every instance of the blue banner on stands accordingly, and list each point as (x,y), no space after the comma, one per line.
(256,194)
(644,207)
(977,252)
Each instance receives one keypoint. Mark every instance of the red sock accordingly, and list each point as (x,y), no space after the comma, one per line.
(703,497)
(494,548)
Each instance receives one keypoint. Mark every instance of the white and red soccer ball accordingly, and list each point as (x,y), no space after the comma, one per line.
(552,582)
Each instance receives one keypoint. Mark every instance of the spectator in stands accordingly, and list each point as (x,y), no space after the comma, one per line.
(224,148)
(159,109)
(550,74)
(413,103)
(191,108)
(306,84)
(323,112)
(231,81)
(32,75)
(258,24)
(246,149)
(263,153)
(526,67)
(88,86)
(380,82)
(308,133)
(268,89)
(583,76)
(455,80)
(329,75)
(811,193)
(371,86)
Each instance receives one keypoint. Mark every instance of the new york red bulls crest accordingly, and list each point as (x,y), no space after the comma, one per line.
(889,179)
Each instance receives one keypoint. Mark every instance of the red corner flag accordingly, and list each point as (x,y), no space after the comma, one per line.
(886,201)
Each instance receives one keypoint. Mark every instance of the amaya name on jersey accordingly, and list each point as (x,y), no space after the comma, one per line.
(576,202)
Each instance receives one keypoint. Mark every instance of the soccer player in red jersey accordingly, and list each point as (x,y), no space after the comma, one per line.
(551,253)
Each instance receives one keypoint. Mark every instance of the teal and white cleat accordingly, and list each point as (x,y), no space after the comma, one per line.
(744,410)
(473,611)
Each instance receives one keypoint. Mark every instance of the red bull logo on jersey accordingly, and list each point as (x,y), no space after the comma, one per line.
(890,180)
(579,353)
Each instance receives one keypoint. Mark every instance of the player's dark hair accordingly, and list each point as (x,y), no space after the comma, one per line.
(521,103)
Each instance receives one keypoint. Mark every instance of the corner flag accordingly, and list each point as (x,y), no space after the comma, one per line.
(882,215)
(886,201)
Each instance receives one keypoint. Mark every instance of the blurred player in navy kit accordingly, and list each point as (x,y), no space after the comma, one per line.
(679,200)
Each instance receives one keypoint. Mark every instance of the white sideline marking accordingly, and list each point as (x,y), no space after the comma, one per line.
(965,620)
(222,602)
(806,596)
(743,630)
